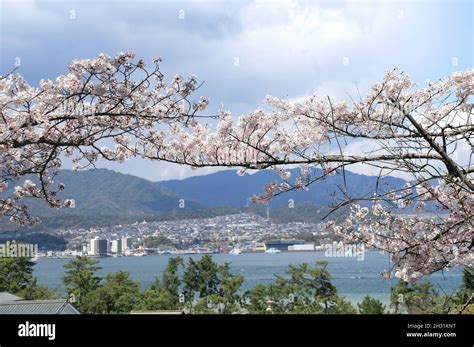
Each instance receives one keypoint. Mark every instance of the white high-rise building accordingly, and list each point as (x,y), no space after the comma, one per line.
(126,243)
(94,246)
(116,247)
(98,247)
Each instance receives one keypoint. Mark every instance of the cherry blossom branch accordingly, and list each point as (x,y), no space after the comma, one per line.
(409,130)
(100,101)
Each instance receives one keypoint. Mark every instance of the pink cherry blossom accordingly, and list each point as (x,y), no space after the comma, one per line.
(98,99)
(413,130)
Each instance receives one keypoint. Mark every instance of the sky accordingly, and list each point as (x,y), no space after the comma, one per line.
(243,50)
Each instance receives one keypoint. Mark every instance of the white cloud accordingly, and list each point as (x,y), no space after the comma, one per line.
(285,48)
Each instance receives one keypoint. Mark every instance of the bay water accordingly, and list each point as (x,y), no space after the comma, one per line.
(354,277)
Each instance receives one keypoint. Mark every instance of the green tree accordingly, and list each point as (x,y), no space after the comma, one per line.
(324,290)
(16,277)
(229,299)
(214,287)
(295,293)
(34,291)
(304,290)
(171,280)
(463,301)
(200,277)
(255,299)
(341,306)
(164,295)
(119,294)
(468,280)
(16,274)
(80,280)
(155,241)
(371,305)
(418,298)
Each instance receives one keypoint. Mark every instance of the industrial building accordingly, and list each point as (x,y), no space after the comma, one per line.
(284,245)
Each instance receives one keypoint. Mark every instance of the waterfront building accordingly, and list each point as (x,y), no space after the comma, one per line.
(282,245)
(116,247)
(300,248)
(98,247)
(94,246)
(103,247)
(126,244)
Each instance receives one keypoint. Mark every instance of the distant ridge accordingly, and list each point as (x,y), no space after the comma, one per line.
(110,193)
(227,188)
(107,197)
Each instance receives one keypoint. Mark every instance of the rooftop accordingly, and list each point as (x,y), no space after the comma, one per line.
(5,296)
(59,306)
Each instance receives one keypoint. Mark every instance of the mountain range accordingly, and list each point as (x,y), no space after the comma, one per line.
(226,188)
(104,196)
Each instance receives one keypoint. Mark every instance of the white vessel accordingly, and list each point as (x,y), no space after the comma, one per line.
(34,260)
(272,250)
(235,251)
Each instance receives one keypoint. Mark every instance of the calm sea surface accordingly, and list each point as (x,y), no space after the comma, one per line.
(354,279)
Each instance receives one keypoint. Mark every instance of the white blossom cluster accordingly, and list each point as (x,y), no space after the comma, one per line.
(99,100)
